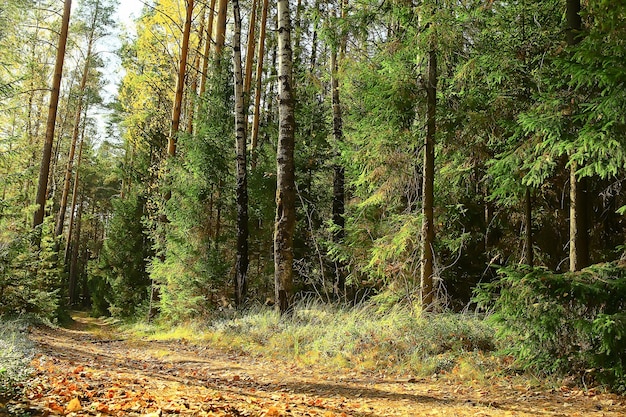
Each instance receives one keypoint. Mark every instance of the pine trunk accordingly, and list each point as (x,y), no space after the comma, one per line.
(220,28)
(254,140)
(180,83)
(207,49)
(428,226)
(70,231)
(76,130)
(579,233)
(285,167)
(44,170)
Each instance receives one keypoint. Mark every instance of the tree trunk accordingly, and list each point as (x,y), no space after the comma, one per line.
(192,99)
(338,206)
(247,82)
(579,233)
(528,237)
(285,167)
(220,28)
(241,264)
(74,199)
(254,140)
(44,170)
(207,49)
(180,83)
(428,226)
(74,258)
(76,129)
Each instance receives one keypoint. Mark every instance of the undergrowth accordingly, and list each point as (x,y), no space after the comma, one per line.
(16,351)
(361,338)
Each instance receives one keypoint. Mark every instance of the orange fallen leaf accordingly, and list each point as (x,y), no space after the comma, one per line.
(52,405)
(73,405)
(272,412)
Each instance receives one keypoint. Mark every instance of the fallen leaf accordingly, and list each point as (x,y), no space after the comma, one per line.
(272,412)
(73,405)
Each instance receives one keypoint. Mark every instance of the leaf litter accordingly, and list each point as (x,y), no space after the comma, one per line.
(80,372)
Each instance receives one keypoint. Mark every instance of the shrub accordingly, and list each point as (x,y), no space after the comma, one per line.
(16,352)
(562,323)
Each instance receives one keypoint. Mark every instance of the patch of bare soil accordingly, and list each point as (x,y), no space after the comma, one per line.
(81,371)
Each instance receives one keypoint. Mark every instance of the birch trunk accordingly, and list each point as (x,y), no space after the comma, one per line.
(241,264)
(285,167)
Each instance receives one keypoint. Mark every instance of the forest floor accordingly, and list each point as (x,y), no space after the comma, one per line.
(89,369)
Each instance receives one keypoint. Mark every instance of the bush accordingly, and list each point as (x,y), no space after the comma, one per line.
(562,323)
(16,351)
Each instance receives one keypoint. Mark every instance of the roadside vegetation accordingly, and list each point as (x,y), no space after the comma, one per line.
(16,352)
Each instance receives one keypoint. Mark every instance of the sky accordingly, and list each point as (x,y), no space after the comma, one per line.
(127,12)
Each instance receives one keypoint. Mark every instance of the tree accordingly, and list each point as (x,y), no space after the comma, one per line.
(241,263)
(285,166)
(44,170)
(428,224)
(579,233)
(338,206)
(100,18)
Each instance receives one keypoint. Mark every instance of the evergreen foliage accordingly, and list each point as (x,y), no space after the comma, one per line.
(118,280)
(194,269)
(566,323)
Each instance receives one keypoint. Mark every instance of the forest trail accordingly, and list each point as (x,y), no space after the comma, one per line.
(89,370)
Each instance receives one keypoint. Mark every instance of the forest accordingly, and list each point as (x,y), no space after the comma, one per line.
(441,156)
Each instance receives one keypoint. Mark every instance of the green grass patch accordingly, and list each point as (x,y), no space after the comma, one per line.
(361,338)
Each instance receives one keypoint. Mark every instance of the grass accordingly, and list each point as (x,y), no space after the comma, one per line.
(16,352)
(361,338)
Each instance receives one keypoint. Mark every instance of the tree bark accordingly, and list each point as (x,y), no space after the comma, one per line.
(70,231)
(44,170)
(528,237)
(207,49)
(338,206)
(74,257)
(192,99)
(247,82)
(180,83)
(579,233)
(254,140)
(285,167)
(428,226)
(220,28)
(241,264)
(76,129)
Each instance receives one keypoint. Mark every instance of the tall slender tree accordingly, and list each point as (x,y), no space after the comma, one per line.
(44,169)
(241,264)
(256,116)
(285,167)
(338,206)
(578,229)
(428,223)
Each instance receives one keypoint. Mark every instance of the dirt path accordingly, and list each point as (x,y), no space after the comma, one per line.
(85,372)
